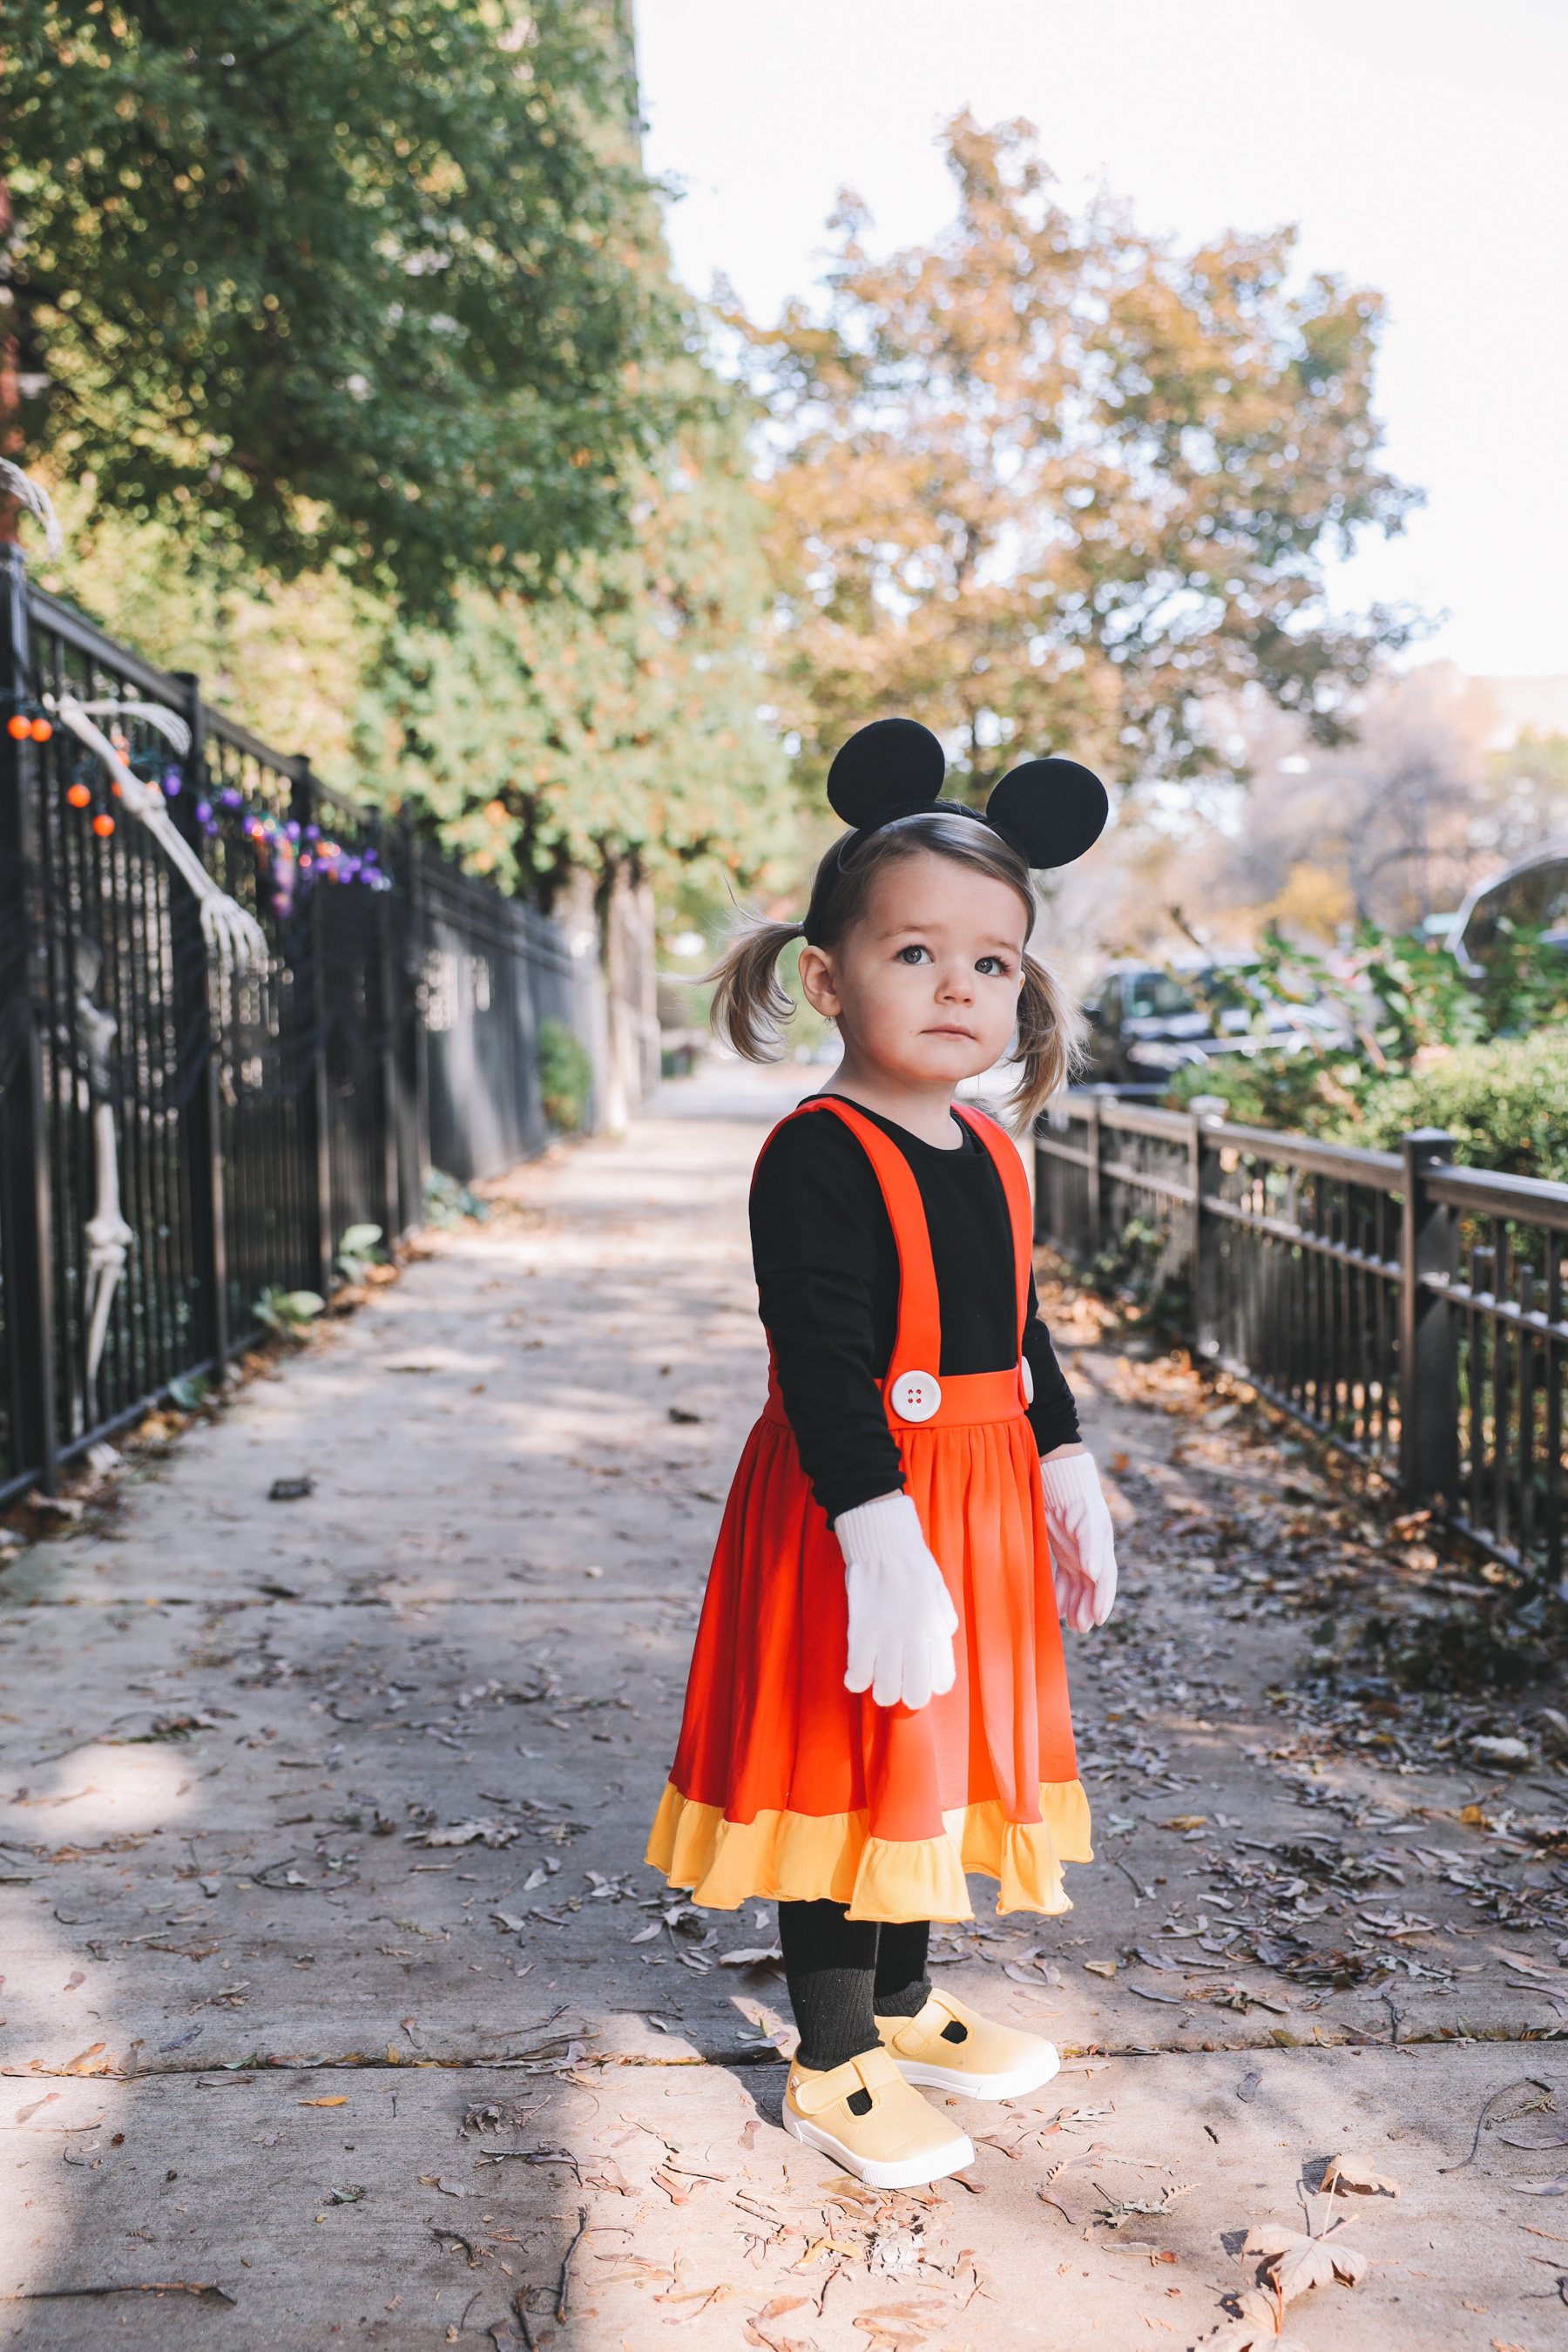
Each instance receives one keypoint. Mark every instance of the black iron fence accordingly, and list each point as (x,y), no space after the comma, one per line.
(1407,1311)
(182,1129)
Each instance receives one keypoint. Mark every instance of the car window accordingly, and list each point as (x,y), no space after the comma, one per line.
(1154,995)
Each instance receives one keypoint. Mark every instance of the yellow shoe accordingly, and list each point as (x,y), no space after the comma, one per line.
(896,2142)
(949,2048)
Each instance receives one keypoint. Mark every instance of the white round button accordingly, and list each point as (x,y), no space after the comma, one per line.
(1026,1368)
(916,1396)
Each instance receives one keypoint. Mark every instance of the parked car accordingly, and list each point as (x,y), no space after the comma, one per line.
(1146,1021)
(1532,893)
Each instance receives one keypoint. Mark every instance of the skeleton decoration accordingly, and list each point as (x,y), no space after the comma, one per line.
(235,937)
(232,934)
(35,499)
(107,1235)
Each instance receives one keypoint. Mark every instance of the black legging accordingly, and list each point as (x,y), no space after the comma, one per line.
(842,1973)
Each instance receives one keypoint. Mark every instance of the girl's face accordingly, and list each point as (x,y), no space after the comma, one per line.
(924,987)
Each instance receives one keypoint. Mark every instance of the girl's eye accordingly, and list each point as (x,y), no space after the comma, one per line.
(913,955)
(994,967)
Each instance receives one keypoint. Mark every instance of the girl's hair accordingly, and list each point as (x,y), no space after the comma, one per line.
(750,1006)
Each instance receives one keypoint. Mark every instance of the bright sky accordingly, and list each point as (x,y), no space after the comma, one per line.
(1418,144)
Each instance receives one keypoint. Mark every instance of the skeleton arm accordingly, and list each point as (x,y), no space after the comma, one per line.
(238,937)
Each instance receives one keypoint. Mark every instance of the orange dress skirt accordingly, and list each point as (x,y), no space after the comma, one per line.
(785,1785)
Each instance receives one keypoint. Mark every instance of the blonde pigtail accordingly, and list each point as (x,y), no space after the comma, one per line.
(750,1005)
(1051,1037)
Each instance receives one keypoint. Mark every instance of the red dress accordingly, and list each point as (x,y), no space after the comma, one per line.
(786,1785)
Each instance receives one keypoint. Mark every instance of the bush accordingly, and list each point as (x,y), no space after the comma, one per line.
(1505,1103)
(565,1076)
(447,1202)
(1301,1094)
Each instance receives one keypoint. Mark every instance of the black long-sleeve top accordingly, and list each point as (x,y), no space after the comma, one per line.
(827,1278)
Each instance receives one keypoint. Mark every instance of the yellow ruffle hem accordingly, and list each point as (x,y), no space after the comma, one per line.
(815,1857)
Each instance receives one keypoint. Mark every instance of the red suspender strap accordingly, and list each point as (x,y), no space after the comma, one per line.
(918,1344)
(1015,1186)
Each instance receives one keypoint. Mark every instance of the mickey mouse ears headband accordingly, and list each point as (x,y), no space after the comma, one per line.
(1049,811)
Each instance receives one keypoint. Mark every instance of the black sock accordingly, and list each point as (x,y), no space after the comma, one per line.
(901,1987)
(830,1962)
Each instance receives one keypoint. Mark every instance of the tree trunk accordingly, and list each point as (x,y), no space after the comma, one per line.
(575,911)
(633,1060)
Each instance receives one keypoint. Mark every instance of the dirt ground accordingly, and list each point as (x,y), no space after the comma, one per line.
(339,2006)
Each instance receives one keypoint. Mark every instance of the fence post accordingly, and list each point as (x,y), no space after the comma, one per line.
(419,934)
(1428,1345)
(202,1121)
(315,1100)
(27,1221)
(387,984)
(1091,1186)
(1206,1239)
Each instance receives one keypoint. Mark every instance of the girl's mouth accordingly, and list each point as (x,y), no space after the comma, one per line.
(951,1029)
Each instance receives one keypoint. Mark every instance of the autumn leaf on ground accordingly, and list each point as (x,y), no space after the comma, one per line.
(1296,2262)
(1255,2331)
(1357,2172)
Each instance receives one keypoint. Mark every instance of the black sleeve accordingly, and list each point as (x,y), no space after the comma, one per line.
(1053,1416)
(824,1252)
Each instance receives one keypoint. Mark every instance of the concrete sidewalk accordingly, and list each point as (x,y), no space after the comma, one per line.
(339,2006)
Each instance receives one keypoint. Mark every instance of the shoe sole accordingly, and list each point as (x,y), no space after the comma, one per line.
(979,2086)
(912,2173)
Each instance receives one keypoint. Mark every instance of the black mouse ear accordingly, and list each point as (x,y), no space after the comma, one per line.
(1049,811)
(884,769)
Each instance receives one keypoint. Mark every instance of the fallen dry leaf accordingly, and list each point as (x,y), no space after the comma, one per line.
(1296,2262)
(1525,1960)
(1357,2172)
(340,2099)
(1254,2331)
(1101,1968)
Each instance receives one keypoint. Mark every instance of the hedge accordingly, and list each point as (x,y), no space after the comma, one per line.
(1505,1103)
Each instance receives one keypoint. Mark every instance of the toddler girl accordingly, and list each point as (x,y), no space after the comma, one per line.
(877,1701)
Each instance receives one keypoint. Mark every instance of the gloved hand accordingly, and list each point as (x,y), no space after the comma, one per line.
(1083,1542)
(901,1621)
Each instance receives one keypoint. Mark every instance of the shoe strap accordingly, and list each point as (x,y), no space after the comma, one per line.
(872,2070)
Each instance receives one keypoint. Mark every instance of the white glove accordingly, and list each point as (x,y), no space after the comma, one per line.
(901,1621)
(1083,1542)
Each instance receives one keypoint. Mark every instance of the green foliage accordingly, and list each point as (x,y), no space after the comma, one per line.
(358,1251)
(288,1313)
(1301,1094)
(1505,1103)
(365,286)
(1432,1049)
(447,1202)
(565,1076)
(620,719)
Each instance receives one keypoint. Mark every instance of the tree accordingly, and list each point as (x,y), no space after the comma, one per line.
(606,746)
(1050,484)
(355,285)
(617,724)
